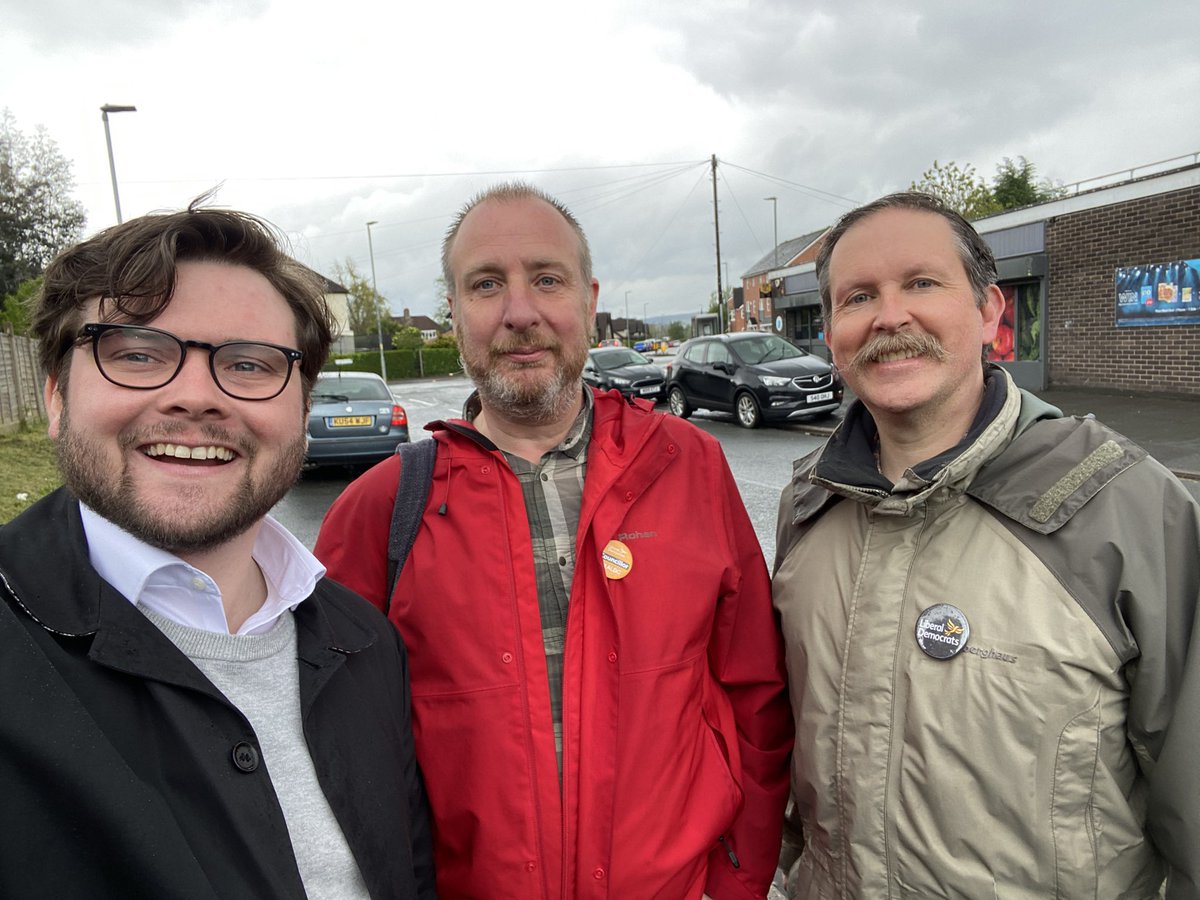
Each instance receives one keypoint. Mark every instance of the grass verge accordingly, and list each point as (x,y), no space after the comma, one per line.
(27,469)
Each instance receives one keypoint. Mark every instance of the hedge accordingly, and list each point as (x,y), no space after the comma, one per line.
(401,364)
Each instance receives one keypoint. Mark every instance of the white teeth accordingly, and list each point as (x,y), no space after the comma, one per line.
(179,451)
(896,357)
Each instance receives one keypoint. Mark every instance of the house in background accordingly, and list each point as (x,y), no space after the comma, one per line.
(428,327)
(338,299)
(757,310)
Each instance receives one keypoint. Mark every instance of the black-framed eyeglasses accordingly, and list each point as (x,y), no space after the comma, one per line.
(144,358)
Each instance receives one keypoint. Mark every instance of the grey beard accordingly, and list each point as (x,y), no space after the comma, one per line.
(531,406)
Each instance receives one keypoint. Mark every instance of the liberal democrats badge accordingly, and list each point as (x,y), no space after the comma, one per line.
(942,631)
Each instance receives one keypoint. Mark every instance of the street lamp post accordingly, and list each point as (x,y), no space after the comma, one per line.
(375,297)
(645,326)
(628,342)
(112,166)
(775,219)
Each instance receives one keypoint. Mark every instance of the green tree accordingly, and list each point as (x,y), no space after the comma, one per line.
(368,311)
(959,188)
(406,337)
(1016,185)
(677,331)
(15,308)
(441,314)
(38,215)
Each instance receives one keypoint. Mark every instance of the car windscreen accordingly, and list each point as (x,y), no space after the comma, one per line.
(617,358)
(341,389)
(765,348)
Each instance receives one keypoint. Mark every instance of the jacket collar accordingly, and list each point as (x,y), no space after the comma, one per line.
(846,467)
(626,427)
(69,597)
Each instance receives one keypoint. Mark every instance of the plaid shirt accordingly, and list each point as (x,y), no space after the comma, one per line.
(553,490)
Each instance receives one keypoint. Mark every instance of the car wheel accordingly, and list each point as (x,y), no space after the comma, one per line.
(678,403)
(748,414)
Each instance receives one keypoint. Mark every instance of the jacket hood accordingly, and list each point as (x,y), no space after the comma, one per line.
(633,424)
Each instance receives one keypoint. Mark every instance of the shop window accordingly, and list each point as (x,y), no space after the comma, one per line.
(808,323)
(1019,336)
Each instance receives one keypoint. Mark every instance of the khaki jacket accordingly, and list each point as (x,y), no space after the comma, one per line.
(1055,755)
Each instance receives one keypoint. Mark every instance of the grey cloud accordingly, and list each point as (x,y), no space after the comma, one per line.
(57,25)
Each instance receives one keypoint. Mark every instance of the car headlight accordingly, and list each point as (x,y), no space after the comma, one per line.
(623,382)
(774,380)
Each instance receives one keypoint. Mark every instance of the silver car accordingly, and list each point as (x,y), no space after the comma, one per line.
(354,420)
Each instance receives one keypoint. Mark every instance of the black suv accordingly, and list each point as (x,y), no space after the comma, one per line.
(626,370)
(757,376)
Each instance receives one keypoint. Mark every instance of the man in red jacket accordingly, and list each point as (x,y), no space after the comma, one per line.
(598,682)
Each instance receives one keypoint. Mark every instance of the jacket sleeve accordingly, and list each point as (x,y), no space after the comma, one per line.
(353,541)
(746,658)
(1164,706)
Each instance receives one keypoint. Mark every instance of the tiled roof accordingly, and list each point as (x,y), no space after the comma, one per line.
(788,250)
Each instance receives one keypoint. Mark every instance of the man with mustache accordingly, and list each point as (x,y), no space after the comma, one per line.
(989,609)
(598,685)
(190,709)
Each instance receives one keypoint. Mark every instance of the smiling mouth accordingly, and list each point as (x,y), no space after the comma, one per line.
(896,357)
(206,453)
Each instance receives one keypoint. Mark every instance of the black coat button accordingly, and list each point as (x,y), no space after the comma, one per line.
(245,757)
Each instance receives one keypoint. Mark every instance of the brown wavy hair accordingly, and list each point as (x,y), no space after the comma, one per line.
(132,269)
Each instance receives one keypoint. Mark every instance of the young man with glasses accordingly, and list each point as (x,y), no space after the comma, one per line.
(191,709)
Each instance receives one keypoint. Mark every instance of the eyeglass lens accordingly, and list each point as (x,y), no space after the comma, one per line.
(145,358)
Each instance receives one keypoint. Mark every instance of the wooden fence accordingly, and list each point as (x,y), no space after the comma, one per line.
(20,380)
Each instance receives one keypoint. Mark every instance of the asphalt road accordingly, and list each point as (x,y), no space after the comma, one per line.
(761,460)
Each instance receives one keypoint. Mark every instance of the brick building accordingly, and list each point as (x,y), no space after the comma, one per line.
(757,310)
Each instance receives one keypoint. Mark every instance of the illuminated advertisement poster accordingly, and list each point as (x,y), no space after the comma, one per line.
(1160,294)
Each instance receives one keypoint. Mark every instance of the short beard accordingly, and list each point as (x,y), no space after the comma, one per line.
(113,494)
(908,342)
(521,401)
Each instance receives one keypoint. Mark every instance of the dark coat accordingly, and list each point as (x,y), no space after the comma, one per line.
(117,756)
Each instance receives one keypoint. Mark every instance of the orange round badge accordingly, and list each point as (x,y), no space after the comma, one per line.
(618,560)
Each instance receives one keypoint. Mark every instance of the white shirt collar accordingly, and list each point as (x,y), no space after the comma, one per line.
(161,581)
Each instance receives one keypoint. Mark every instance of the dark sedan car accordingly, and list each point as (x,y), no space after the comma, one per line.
(626,370)
(756,376)
(354,420)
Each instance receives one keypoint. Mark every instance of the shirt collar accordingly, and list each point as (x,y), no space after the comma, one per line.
(161,581)
(578,435)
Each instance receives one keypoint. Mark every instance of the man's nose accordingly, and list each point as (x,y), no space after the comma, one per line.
(194,389)
(892,309)
(521,306)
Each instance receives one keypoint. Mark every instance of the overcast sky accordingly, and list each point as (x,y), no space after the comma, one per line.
(323,116)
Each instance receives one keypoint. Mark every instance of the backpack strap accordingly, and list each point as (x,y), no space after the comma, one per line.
(412,493)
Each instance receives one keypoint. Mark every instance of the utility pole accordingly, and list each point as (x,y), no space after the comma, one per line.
(717,229)
(628,330)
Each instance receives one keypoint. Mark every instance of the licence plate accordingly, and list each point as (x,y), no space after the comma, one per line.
(648,390)
(350,421)
(817,398)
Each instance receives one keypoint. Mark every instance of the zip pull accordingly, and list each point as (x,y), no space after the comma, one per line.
(729,852)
